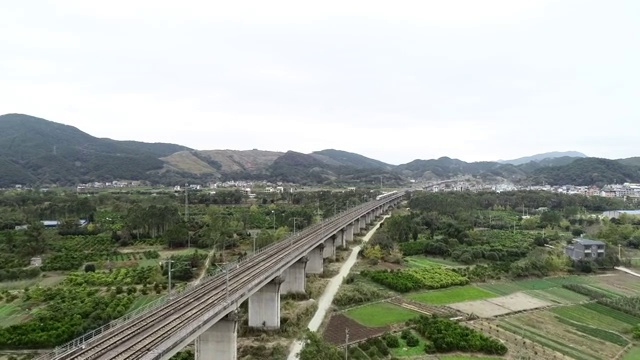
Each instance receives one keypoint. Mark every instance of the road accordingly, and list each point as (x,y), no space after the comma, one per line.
(330,292)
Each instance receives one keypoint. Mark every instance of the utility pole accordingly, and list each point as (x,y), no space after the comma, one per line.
(186,203)
(274,221)
(619,252)
(169,272)
(346,343)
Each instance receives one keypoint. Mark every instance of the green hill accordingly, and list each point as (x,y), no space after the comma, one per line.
(344,158)
(587,171)
(35,151)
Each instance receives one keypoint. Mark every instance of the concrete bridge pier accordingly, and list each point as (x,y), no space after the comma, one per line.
(362,224)
(329,248)
(295,277)
(340,239)
(316,263)
(219,341)
(264,306)
(348,233)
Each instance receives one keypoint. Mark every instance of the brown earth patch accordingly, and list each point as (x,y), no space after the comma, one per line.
(335,330)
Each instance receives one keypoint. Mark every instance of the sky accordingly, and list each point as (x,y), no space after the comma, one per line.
(392,80)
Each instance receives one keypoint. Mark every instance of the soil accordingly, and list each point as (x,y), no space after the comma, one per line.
(335,330)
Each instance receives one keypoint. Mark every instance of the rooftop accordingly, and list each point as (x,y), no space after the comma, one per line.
(588,242)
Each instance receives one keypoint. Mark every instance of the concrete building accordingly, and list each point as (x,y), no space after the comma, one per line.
(585,249)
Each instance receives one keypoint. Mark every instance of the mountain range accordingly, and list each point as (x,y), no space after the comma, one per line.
(39,152)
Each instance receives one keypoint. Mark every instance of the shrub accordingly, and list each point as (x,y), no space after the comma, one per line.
(412,340)
(391,340)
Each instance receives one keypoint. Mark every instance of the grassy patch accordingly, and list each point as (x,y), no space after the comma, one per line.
(380,314)
(424,261)
(11,314)
(632,354)
(142,301)
(452,295)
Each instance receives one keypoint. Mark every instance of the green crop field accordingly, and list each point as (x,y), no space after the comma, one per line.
(380,314)
(452,295)
(424,261)
(506,288)
(558,295)
(604,318)
(11,314)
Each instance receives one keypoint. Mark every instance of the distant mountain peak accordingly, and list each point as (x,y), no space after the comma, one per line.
(543,156)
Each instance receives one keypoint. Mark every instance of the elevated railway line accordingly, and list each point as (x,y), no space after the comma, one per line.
(163,330)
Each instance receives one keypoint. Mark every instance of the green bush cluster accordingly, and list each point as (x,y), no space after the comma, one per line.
(416,279)
(121,276)
(19,274)
(65,313)
(448,336)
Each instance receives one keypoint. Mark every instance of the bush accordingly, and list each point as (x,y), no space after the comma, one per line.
(412,341)
(416,279)
(404,335)
(90,268)
(448,336)
(391,340)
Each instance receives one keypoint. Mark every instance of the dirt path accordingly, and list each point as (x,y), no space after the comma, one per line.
(330,291)
(627,271)
(205,268)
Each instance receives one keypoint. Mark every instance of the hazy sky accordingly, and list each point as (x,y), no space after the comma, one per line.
(392,80)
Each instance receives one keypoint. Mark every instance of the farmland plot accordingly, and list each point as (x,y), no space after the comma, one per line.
(546,329)
(500,305)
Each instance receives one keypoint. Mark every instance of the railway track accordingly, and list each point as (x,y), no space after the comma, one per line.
(136,338)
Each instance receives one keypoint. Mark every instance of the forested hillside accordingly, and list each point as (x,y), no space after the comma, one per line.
(37,151)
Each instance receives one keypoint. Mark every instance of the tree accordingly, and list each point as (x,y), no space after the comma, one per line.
(373,252)
(35,239)
(315,348)
(177,235)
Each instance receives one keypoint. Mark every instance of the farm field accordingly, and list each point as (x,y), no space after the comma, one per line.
(598,316)
(558,295)
(557,333)
(334,331)
(47,279)
(506,288)
(519,347)
(380,314)
(500,305)
(620,283)
(452,295)
(632,354)
(423,261)
(11,314)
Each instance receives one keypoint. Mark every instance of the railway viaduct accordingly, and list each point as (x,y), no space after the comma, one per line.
(206,313)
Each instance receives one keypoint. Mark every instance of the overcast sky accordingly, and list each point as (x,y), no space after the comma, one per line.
(392,80)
